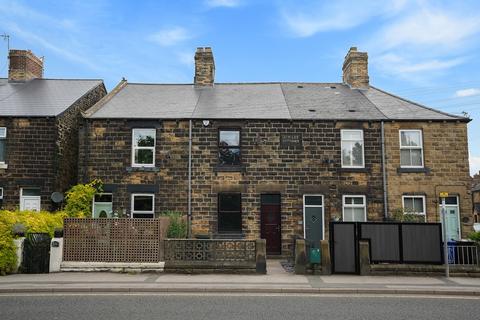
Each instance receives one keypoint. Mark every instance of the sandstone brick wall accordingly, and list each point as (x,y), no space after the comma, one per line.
(30,159)
(445,150)
(42,152)
(68,124)
(267,168)
(106,154)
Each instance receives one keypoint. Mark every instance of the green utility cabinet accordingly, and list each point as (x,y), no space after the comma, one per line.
(315,256)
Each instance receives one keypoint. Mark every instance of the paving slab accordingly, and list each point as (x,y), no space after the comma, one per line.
(358,280)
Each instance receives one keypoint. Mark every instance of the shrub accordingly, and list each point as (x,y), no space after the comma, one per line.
(474,236)
(26,221)
(177,228)
(79,198)
(399,215)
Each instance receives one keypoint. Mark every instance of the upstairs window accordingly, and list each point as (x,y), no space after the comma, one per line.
(352,149)
(143,147)
(411,149)
(229,146)
(3,142)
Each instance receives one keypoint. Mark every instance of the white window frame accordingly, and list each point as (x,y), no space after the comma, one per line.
(363,206)
(314,206)
(3,137)
(39,198)
(411,147)
(1,193)
(424,213)
(135,147)
(142,212)
(101,194)
(347,140)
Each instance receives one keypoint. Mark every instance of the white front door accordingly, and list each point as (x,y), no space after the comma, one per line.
(452,218)
(30,203)
(30,199)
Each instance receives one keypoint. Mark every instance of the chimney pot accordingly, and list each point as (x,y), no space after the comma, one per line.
(24,65)
(355,69)
(204,67)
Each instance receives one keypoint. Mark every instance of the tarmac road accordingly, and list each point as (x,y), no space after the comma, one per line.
(235,306)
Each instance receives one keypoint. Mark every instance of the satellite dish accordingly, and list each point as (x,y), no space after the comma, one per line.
(57,197)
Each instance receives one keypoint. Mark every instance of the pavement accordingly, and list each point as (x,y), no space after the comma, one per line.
(277,280)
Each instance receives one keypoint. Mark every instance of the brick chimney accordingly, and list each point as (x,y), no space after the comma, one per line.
(355,69)
(24,65)
(204,67)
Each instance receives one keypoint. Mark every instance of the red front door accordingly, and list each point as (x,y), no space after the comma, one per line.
(271,222)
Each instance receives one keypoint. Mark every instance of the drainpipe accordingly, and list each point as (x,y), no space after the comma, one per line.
(384,175)
(189,214)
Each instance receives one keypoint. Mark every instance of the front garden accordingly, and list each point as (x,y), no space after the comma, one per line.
(14,224)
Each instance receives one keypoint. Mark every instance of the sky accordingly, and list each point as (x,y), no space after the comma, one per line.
(425,51)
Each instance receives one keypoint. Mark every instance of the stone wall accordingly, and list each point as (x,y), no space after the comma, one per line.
(445,152)
(266,167)
(68,123)
(30,159)
(105,153)
(42,152)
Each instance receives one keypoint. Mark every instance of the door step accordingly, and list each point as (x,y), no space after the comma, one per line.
(230,235)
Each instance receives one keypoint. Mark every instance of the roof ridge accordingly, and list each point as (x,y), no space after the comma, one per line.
(61,79)
(362,92)
(233,83)
(97,106)
(421,105)
(286,103)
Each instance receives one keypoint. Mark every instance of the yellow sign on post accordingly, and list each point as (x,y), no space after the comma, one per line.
(443,194)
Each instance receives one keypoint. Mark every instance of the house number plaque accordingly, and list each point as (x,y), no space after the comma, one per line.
(290,140)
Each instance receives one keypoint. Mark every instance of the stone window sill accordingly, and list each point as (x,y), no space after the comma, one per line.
(413,170)
(231,168)
(143,169)
(365,170)
(3,166)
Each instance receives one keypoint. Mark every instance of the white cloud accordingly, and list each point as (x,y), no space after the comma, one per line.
(61,51)
(311,18)
(428,28)
(424,41)
(223,3)
(170,36)
(467,92)
(15,9)
(474,165)
(401,65)
(186,58)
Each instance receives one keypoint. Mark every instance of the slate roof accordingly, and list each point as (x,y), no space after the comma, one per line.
(290,101)
(41,97)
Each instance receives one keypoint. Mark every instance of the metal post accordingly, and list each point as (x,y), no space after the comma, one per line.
(384,175)
(445,242)
(189,214)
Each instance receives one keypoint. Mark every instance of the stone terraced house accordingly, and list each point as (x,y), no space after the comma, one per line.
(274,160)
(39,120)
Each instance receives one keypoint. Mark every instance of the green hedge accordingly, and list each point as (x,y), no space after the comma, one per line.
(28,221)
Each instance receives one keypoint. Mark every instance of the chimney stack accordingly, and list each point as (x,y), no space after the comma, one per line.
(355,69)
(24,66)
(204,67)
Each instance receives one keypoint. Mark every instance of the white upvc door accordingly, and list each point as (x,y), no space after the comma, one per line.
(452,218)
(30,203)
